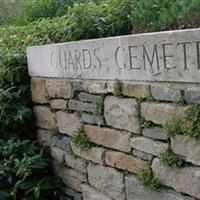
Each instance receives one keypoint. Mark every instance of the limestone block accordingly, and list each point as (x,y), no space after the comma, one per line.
(80,106)
(148,145)
(136,90)
(121,113)
(156,133)
(61,142)
(91,119)
(85,97)
(58,104)
(44,137)
(59,88)
(38,91)
(107,180)
(71,193)
(125,162)
(90,193)
(68,123)
(108,137)
(187,147)
(136,191)
(165,93)
(160,113)
(185,180)
(142,155)
(45,118)
(94,154)
(192,96)
(57,154)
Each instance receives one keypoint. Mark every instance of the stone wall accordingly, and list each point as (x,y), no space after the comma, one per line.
(102,107)
(126,136)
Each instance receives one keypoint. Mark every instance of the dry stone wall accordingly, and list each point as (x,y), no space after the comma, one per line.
(122,122)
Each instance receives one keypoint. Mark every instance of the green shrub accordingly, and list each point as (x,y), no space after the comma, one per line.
(24,172)
(169,159)
(189,125)
(148,180)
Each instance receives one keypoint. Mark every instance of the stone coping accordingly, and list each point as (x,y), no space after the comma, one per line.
(171,56)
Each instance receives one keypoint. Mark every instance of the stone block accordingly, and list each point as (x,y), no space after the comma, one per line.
(156,133)
(185,180)
(187,147)
(45,118)
(73,194)
(107,180)
(192,96)
(95,87)
(125,162)
(136,191)
(165,93)
(91,119)
(160,113)
(148,145)
(44,137)
(142,155)
(108,137)
(75,162)
(58,104)
(58,88)
(91,98)
(80,106)
(121,113)
(71,178)
(38,91)
(90,193)
(68,123)
(62,142)
(136,90)
(94,154)
(57,154)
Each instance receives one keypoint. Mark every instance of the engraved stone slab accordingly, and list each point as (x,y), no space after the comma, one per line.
(162,56)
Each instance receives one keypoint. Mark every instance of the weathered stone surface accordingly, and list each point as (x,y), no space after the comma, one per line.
(136,191)
(71,178)
(125,162)
(57,154)
(148,145)
(71,193)
(165,56)
(62,142)
(68,123)
(58,104)
(160,113)
(80,106)
(185,180)
(94,154)
(44,117)
(44,137)
(90,193)
(85,97)
(136,90)
(95,87)
(165,93)
(121,113)
(91,119)
(108,137)
(75,162)
(156,133)
(59,88)
(187,147)
(142,155)
(192,96)
(38,90)
(107,180)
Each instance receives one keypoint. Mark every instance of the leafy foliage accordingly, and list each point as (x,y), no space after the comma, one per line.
(188,125)
(24,172)
(169,159)
(148,180)
(81,140)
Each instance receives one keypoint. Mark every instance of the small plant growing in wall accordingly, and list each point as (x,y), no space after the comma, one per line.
(118,88)
(169,159)
(81,140)
(99,106)
(147,179)
(189,125)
